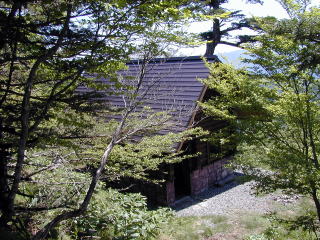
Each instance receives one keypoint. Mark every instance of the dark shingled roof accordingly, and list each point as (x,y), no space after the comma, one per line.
(168,85)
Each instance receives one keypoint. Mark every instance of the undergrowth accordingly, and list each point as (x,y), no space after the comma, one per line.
(295,221)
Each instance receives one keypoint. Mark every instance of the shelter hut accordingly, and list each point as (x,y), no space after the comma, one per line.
(174,85)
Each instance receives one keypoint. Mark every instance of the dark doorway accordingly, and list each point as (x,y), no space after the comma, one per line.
(182,179)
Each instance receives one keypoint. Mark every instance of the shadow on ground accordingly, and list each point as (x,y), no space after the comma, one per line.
(213,191)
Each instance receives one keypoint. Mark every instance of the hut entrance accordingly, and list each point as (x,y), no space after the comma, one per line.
(182,179)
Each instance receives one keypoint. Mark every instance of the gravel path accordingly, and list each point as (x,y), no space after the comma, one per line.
(226,200)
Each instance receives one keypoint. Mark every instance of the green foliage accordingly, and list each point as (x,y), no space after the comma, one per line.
(224,23)
(273,105)
(60,177)
(52,135)
(193,228)
(136,159)
(101,36)
(113,215)
(288,227)
(253,222)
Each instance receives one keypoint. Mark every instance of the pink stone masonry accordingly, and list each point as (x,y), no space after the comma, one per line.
(205,177)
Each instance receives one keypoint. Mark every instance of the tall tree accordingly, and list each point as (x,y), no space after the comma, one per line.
(224,23)
(274,105)
(48,49)
(138,157)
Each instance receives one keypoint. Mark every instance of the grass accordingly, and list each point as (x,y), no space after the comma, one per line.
(244,225)
(194,228)
(188,228)
(253,222)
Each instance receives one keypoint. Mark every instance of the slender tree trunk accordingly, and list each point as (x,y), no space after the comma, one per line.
(311,138)
(116,139)
(215,37)
(24,120)
(5,203)
(8,214)
(4,187)
(42,234)
(309,123)
(316,200)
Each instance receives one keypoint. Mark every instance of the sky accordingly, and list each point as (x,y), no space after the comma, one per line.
(269,8)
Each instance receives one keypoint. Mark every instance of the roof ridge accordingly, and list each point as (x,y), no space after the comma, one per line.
(176,59)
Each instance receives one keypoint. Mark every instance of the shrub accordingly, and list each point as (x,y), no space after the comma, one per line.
(117,216)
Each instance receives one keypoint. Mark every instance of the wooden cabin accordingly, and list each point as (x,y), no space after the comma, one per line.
(176,87)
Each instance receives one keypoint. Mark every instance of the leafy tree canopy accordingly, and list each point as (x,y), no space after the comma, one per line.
(224,23)
(273,105)
(47,50)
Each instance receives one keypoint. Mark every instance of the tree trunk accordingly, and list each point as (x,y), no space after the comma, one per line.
(95,178)
(316,200)
(215,36)
(24,120)
(4,187)
(42,234)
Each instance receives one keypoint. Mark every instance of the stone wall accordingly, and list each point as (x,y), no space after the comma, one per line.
(205,177)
